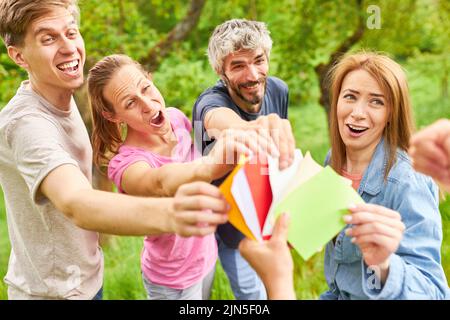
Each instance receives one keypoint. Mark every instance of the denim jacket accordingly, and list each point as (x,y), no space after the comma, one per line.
(415,270)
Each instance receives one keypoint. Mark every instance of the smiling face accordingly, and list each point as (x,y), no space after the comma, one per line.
(137,102)
(362,111)
(245,74)
(53,53)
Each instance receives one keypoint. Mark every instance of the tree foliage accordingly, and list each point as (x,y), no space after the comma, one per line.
(306,34)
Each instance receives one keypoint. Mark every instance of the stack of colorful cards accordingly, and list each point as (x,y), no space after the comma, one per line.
(315,197)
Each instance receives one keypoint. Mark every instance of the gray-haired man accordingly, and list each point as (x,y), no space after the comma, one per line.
(245,97)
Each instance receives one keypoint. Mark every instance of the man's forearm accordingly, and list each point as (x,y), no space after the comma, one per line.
(123,215)
(221,119)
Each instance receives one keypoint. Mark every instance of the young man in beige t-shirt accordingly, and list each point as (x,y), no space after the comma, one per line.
(53,213)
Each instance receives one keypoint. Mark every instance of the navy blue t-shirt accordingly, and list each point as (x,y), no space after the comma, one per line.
(276,100)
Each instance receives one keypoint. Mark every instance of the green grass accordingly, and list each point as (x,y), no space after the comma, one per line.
(122,254)
(123,271)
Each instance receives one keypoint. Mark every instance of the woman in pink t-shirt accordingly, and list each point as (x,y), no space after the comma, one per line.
(153,157)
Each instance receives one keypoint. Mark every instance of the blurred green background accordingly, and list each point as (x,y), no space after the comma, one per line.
(170,39)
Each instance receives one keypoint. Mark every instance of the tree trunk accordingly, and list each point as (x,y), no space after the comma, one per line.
(444,81)
(323,68)
(179,33)
(253,10)
(121,17)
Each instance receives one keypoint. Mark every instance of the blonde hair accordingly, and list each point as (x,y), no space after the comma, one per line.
(17,15)
(392,80)
(107,136)
(234,35)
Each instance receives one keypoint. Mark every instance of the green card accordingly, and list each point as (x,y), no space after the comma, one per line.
(316,208)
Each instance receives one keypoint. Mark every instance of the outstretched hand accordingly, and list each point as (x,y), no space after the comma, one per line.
(198,208)
(280,131)
(231,144)
(430,152)
(272,261)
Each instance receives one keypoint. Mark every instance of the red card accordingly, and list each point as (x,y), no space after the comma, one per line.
(258,180)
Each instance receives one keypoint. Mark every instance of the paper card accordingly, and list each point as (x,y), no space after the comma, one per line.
(279,181)
(316,208)
(258,180)
(241,192)
(307,169)
(234,216)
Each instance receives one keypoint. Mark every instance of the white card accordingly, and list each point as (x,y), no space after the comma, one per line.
(279,181)
(241,192)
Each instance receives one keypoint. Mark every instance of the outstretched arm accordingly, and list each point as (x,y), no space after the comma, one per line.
(271,126)
(141,179)
(197,208)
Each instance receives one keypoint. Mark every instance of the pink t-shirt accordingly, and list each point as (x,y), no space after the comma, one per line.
(169,260)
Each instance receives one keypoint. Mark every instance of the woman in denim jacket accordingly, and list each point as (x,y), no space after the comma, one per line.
(390,248)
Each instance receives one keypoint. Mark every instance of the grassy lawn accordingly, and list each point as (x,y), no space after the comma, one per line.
(122,273)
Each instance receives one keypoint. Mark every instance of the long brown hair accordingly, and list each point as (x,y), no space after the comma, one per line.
(392,80)
(107,136)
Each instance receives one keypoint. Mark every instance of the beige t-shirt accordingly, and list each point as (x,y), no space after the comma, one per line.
(51,258)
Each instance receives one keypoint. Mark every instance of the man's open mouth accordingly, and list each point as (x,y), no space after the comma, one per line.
(356,129)
(250,85)
(157,120)
(70,67)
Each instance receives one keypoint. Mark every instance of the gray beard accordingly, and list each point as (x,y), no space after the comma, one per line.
(255,98)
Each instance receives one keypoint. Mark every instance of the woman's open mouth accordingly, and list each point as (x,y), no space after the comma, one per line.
(355,130)
(157,120)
